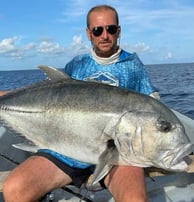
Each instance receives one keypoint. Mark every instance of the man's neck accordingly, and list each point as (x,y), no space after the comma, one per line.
(106,60)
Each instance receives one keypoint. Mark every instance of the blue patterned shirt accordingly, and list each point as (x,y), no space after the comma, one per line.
(128,72)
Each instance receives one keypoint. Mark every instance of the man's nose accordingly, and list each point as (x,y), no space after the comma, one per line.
(105,33)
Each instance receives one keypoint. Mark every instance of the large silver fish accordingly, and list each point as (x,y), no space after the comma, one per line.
(96,123)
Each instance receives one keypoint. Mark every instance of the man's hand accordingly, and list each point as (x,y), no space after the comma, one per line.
(3,92)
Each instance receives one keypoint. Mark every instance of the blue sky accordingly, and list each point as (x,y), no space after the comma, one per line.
(51,32)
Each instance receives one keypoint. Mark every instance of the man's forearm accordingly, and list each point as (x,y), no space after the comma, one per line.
(3,92)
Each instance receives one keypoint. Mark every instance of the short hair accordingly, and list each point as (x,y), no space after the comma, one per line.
(100,8)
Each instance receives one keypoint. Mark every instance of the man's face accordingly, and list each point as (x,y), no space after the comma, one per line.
(106,43)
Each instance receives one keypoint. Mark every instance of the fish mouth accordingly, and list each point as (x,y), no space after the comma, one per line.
(178,163)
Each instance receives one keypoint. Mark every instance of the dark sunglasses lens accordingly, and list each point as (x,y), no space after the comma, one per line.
(112,29)
(97,31)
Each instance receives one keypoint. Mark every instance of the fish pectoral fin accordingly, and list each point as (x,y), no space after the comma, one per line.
(26,147)
(53,73)
(100,173)
(106,162)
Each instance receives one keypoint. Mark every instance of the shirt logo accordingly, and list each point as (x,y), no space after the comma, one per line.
(104,77)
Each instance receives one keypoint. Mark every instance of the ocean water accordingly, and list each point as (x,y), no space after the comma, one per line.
(175,83)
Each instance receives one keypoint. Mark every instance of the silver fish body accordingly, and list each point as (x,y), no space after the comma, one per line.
(78,119)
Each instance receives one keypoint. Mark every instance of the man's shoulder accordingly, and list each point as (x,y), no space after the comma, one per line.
(125,55)
(131,58)
(77,62)
(81,57)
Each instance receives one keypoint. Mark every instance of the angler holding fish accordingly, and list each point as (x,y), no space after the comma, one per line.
(76,123)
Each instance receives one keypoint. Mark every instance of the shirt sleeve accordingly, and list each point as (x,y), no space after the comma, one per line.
(68,68)
(144,84)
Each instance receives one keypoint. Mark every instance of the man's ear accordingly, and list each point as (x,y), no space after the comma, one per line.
(88,33)
(119,32)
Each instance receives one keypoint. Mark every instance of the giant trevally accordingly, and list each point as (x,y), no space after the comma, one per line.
(96,123)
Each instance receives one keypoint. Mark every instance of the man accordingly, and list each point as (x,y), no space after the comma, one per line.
(108,63)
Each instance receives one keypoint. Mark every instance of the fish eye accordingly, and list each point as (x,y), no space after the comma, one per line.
(164,126)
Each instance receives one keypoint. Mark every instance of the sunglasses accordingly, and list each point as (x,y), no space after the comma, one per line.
(111,29)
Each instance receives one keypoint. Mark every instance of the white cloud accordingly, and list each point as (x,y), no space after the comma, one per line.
(29,46)
(77,40)
(77,46)
(7,45)
(139,47)
(142,47)
(10,47)
(50,48)
(168,56)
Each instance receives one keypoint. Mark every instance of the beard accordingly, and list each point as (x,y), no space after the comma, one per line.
(105,49)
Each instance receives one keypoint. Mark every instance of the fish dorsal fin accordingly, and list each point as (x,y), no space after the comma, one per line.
(26,147)
(53,73)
